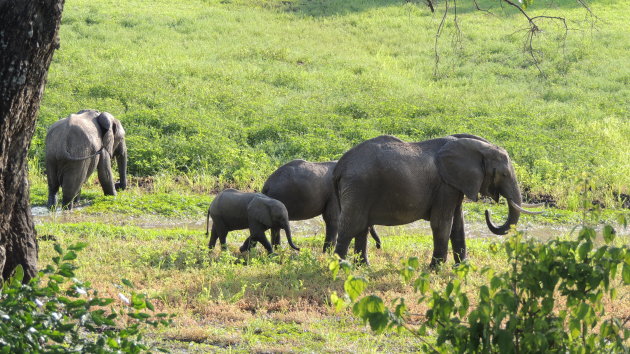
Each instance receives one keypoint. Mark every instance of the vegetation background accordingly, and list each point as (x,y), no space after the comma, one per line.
(229,90)
(217,93)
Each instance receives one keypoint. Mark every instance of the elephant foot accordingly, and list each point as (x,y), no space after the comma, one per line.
(436,264)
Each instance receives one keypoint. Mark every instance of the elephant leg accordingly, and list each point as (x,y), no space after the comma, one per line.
(458,238)
(331,219)
(223,239)
(360,246)
(375,236)
(70,188)
(214,234)
(257,234)
(263,240)
(53,186)
(275,237)
(442,223)
(248,244)
(105,176)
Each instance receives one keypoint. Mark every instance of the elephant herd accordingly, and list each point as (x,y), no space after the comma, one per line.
(381,181)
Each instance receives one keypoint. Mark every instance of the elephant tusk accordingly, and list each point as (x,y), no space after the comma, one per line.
(518,207)
(536,205)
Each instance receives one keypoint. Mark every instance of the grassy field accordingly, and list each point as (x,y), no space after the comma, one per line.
(225,91)
(255,303)
(219,93)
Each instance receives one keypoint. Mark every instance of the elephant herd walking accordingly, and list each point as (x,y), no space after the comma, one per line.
(381,181)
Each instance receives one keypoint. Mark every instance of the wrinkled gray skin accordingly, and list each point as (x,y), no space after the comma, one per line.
(306,189)
(386,181)
(234,210)
(78,145)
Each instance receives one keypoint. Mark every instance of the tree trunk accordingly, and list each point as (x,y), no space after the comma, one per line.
(28,37)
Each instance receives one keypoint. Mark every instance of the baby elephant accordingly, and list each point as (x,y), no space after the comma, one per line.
(234,210)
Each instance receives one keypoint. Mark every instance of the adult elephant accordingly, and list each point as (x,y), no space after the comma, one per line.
(79,144)
(386,181)
(306,189)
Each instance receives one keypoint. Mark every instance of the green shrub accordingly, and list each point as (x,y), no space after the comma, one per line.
(55,312)
(551,299)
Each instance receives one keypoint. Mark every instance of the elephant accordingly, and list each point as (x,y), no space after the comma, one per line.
(306,189)
(79,144)
(234,210)
(386,181)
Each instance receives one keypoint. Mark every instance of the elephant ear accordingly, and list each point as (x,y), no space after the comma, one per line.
(461,165)
(106,122)
(259,210)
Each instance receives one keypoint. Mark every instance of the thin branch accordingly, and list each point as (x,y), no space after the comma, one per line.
(521,10)
(458,31)
(437,38)
(413,331)
(482,10)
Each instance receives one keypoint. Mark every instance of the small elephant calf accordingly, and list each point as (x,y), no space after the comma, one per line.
(235,210)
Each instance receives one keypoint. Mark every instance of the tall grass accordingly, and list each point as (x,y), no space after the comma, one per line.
(231,89)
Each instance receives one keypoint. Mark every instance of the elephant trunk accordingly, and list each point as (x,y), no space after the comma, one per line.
(287,231)
(121,160)
(513,215)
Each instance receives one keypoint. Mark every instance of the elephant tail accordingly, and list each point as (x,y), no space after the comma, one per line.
(73,158)
(208,223)
(335,181)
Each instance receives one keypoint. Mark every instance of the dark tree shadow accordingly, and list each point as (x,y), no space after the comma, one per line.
(328,8)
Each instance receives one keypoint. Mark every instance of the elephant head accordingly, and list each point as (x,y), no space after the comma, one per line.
(474,167)
(114,144)
(272,214)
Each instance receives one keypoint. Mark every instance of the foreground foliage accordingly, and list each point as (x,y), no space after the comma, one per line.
(551,299)
(55,312)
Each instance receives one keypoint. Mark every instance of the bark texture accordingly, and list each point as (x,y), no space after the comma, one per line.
(28,38)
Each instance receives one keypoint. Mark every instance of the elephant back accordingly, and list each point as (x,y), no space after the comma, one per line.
(75,137)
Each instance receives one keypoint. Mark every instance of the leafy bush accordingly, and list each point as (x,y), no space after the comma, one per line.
(55,312)
(551,299)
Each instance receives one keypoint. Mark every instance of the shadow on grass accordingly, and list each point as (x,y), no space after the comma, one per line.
(324,8)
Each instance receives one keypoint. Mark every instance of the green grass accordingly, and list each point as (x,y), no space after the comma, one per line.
(253,302)
(225,91)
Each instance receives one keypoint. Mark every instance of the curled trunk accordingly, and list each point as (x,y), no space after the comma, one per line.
(513,216)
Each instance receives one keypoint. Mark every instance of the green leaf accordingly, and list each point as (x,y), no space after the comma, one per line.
(422,284)
(77,246)
(113,343)
(137,301)
(58,248)
(484,293)
(18,274)
(505,340)
(337,302)
(413,262)
(609,234)
(333,266)
(71,255)
(547,304)
(495,283)
(127,283)
(584,249)
(625,273)
(371,308)
(354,286)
